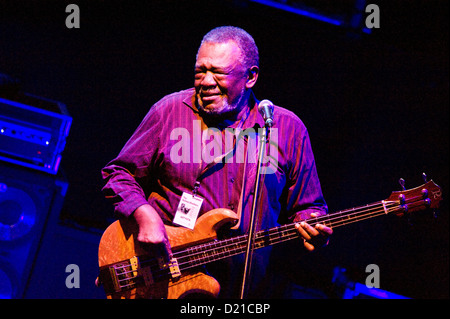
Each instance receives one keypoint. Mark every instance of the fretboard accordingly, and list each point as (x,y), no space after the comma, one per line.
(212,251)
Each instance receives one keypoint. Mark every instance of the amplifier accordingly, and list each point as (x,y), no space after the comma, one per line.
(33,132)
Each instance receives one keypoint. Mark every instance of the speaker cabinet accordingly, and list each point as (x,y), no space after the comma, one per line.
(27,199)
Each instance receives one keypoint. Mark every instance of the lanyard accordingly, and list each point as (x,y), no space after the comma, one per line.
(220,158)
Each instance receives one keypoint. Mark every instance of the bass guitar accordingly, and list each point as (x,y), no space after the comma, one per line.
(128,270)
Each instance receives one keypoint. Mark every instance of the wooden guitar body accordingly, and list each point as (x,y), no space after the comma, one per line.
(119,243)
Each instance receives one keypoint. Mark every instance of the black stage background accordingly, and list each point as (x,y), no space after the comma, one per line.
(376,106)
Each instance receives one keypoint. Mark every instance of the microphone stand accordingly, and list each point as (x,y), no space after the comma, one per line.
(251,231)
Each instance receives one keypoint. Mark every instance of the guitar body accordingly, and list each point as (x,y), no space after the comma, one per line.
(119,243)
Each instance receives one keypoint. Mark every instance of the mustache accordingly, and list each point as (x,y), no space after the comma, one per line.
(210,90)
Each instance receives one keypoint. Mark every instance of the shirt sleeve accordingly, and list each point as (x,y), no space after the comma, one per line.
(133,167)
(304,192)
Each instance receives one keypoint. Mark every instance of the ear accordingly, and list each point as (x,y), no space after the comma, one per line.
(252,74)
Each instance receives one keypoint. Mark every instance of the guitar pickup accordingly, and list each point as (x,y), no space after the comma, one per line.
(134,265)
(174,268)
(172,265)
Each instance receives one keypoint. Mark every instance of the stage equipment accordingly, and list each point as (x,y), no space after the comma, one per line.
(33,131)
(27,199)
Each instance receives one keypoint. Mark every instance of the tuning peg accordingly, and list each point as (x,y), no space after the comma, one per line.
(401,181)
(424,177)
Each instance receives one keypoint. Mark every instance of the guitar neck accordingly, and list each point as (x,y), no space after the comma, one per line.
(205,253)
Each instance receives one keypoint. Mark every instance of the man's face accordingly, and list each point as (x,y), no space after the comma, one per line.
(220,78)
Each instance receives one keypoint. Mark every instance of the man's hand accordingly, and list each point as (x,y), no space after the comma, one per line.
(152,232)
(313,237)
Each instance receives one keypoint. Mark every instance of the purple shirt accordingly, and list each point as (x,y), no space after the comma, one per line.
(148,170)
(166,156)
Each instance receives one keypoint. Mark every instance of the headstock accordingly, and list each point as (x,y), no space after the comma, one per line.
(426,196)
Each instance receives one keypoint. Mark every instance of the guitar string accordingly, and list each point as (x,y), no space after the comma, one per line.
(239,247)
(233,246)
(334,220)
(199,257)
(228,251)
(331,219)
(237,241)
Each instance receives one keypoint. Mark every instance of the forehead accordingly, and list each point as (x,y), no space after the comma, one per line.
(218,54)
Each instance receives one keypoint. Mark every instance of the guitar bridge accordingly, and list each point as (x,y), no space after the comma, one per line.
(125,275)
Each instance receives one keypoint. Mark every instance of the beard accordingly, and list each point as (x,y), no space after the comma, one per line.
(224,109)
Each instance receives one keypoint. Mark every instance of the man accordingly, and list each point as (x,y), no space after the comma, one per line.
(175,149)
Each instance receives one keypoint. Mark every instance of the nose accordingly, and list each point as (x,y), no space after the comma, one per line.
(208,79)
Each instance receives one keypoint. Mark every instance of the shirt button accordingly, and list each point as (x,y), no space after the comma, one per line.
(232,179)
(231,206)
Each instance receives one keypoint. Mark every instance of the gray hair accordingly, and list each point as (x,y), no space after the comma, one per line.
(245,42)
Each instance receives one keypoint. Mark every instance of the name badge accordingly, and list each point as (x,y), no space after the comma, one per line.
(187,211)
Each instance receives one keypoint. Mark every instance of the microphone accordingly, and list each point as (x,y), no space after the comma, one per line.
(265,108)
